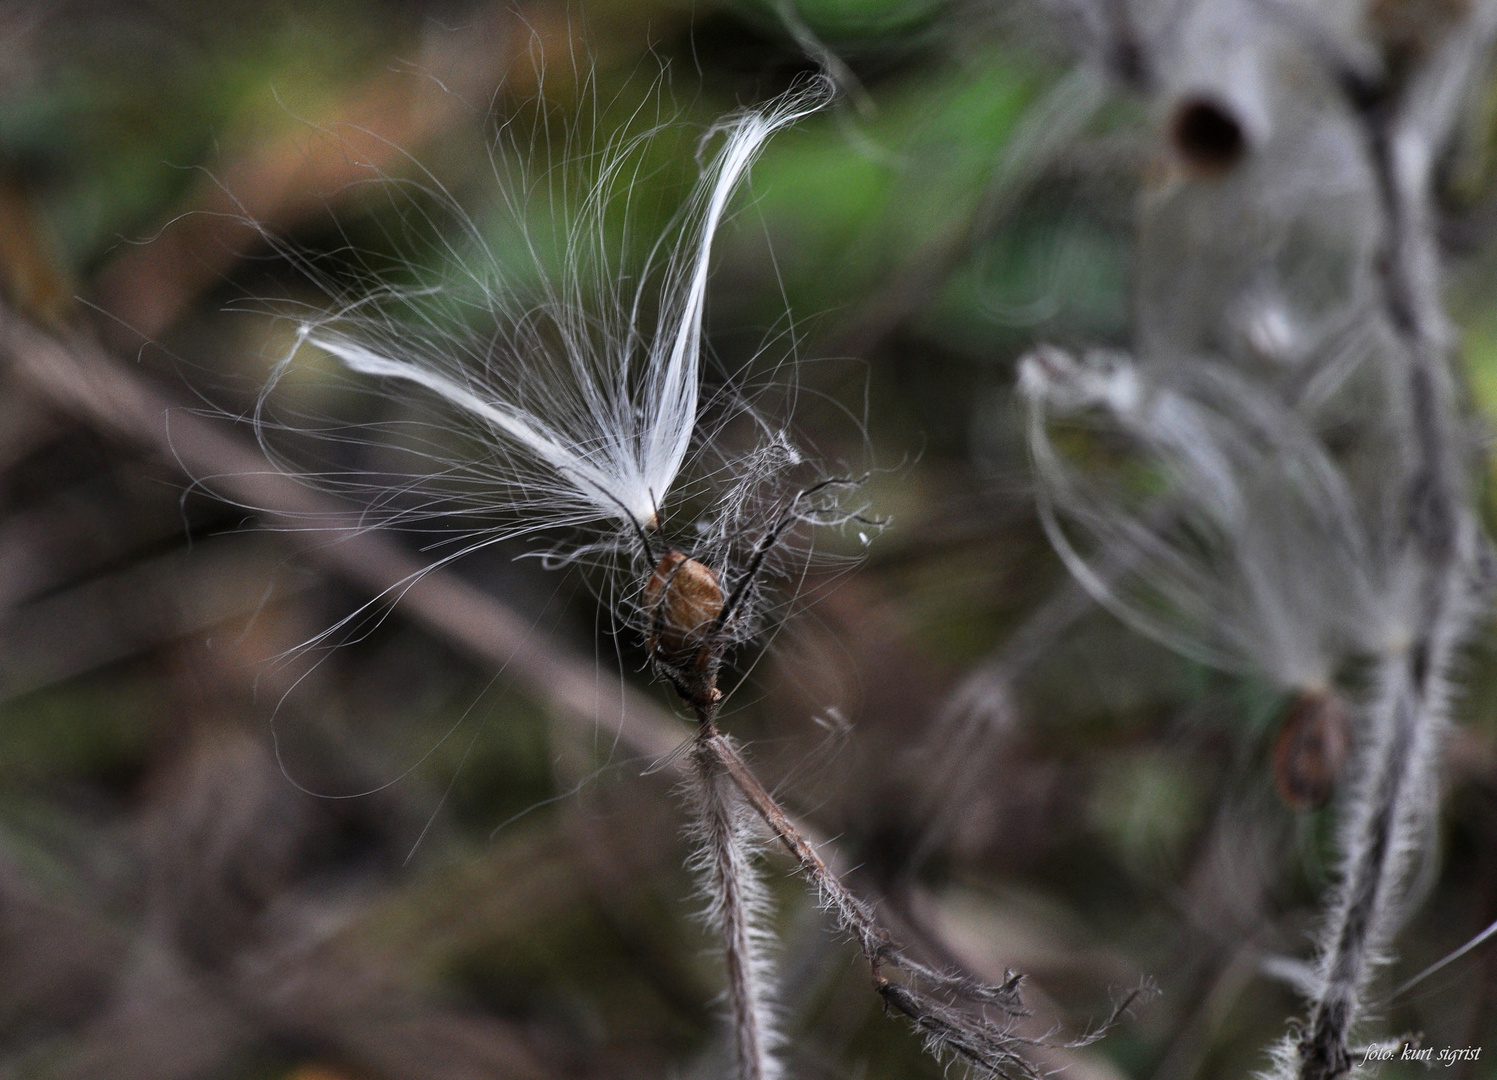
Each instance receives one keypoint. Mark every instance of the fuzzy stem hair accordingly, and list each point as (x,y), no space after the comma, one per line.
(954,1013)
(1387,814)
(1384,817)
(737,907)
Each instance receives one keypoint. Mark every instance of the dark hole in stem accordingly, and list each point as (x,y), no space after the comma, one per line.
(1208,136)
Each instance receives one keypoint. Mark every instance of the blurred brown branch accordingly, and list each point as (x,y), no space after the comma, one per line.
(76,376)
(281,180)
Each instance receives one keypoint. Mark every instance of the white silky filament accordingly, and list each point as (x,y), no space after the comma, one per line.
(1247,553)
(592,422)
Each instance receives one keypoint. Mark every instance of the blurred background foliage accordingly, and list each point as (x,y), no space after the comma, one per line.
(392,859)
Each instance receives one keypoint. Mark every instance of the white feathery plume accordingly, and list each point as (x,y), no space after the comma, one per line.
(584,418)
(1227,533)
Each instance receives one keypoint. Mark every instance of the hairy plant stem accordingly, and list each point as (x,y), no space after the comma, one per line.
(1397,787)
(737,899)
(1386,820)
(948,1009)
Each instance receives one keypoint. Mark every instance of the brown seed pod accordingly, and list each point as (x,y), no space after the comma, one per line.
(684,599)
(1310,749)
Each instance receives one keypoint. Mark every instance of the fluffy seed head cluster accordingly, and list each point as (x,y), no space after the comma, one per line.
(580,397)
(1202,512)
(573,387)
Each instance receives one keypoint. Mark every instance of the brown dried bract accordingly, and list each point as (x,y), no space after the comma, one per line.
(1310,750)
(684,599)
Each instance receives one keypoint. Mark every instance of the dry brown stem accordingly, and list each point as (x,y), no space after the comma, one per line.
(949,1010)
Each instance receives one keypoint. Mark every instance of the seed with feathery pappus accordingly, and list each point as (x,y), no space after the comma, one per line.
(684,599)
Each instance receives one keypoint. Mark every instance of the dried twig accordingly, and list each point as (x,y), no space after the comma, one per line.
(949,1010)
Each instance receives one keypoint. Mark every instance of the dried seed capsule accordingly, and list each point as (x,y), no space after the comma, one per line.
(1310,749)
(684,599)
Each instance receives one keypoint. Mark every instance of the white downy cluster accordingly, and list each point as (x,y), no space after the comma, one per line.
(1227,532)
(580,420)
(579,417)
